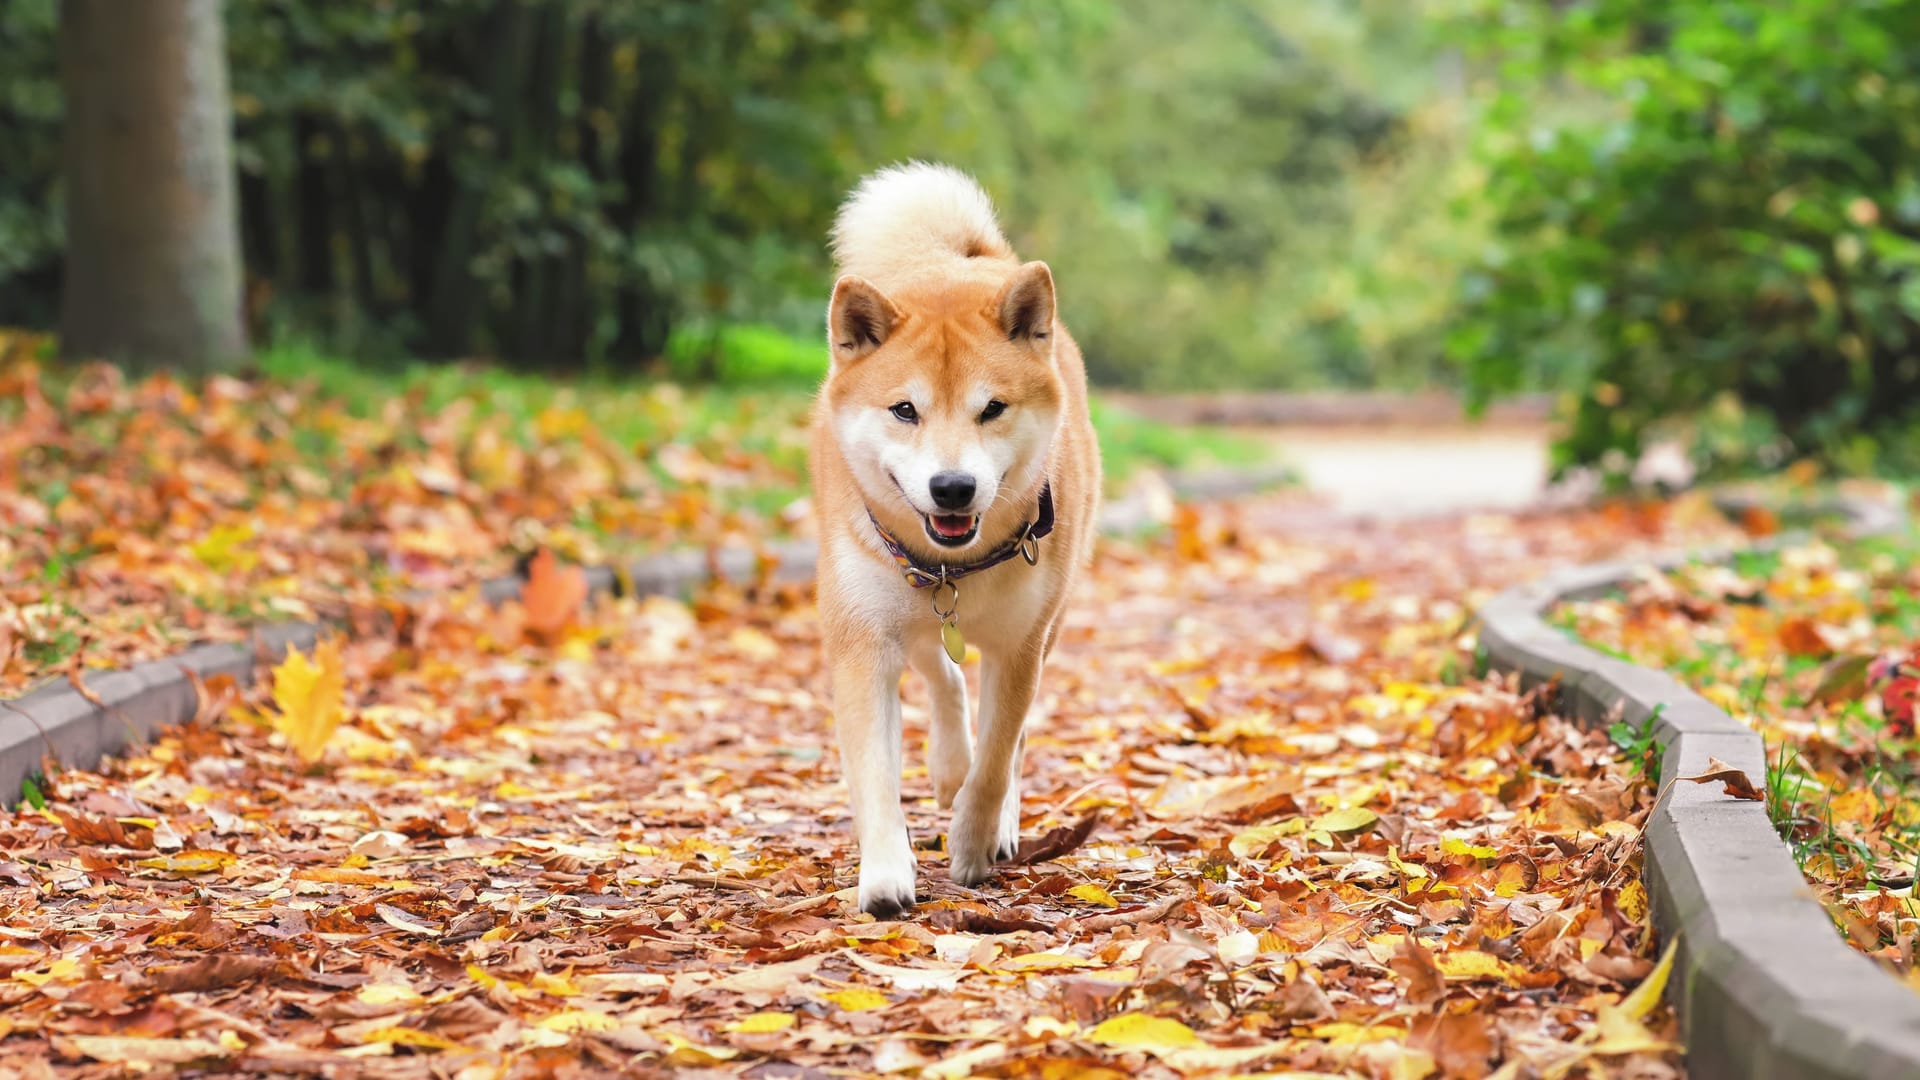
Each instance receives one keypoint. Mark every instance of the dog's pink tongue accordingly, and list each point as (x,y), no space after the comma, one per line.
(952,525)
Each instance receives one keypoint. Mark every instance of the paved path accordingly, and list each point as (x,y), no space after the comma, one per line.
(1408,470)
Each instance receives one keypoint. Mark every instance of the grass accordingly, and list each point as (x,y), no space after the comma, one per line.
(1638,746)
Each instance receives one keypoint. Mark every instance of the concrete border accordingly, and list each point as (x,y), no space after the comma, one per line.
(1764,985)
(125,707)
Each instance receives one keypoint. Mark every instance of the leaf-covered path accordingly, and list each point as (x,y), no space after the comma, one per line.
(617,843)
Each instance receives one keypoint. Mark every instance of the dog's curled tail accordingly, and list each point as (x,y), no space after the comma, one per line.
(905,215)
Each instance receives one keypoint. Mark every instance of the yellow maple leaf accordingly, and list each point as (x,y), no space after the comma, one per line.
(1044,961)
(554,985)
(1618,1029)
(858,999)
(189,863)
(1453,846)
(407,1036)
(1633,901)
(1094,894)
(220,548)
(311,696)
(762,1023)
(580,1020)
(1138,1031)
(1472,964)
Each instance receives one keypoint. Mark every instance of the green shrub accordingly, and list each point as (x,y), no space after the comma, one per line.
(1708,221)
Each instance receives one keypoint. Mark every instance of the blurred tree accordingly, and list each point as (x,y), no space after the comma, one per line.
(153,259)
(1248,192)
(553,181)
(1241,193)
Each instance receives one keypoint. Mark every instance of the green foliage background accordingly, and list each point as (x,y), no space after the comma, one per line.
(1709,228)
(1242,193)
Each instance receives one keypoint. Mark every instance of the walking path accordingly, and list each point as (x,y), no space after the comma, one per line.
(618,843)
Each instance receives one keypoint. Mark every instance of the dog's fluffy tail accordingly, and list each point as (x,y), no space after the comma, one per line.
(905,215)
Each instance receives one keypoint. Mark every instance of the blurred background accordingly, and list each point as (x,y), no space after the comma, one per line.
(1687,224)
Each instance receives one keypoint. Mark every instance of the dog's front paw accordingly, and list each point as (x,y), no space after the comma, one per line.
(972,841)
(887,878)
(1007,842)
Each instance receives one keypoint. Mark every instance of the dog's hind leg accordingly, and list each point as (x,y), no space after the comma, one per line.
(986,816)
(866,712)
(948,755)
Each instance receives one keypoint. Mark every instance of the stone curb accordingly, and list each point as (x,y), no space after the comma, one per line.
(125,707)
(1764,985)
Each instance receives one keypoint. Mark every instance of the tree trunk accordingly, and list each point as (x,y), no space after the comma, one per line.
(153,252)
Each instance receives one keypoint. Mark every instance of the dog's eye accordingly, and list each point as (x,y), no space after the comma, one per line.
(904,411)
(993,410)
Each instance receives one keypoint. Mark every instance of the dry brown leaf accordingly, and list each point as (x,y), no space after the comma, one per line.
(1413,962)
(1055,842)
(208,973)
(1738,784)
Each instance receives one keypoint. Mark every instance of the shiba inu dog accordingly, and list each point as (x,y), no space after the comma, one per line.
(956,477)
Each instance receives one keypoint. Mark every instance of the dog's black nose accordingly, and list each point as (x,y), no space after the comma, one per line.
(951,490)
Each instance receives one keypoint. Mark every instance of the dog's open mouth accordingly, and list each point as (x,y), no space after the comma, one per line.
(951,530)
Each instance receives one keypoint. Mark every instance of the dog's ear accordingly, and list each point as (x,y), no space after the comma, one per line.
(860,318)
(1026,306)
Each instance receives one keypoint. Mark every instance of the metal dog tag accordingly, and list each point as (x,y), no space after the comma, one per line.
(956,645)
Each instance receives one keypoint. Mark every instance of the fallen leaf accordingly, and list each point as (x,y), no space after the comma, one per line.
(858,999)
(1738,785)
(1469,965)
(1844,678)
(403,920)
(341,876)
(571,1020)
(912,980)
(190,863)
(311,698)
(1093,894)
(1345,822)
(1453,846)
(144,1053)
(1461,1044)
(208,973)
(1804,637)
(1303,1002)
(762,1023)
(552,596)
(1055,842)
(380,844)
(1139,1031)
(1044,961)
(1412,961)
(410,1036)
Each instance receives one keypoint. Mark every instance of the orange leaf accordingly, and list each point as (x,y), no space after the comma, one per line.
(1759,521)
(1412,962)
(1804,637)
(552,596)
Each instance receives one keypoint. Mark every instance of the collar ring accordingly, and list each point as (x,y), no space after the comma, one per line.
(945,612)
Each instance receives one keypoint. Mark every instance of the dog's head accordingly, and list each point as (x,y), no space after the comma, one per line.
(945,401)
